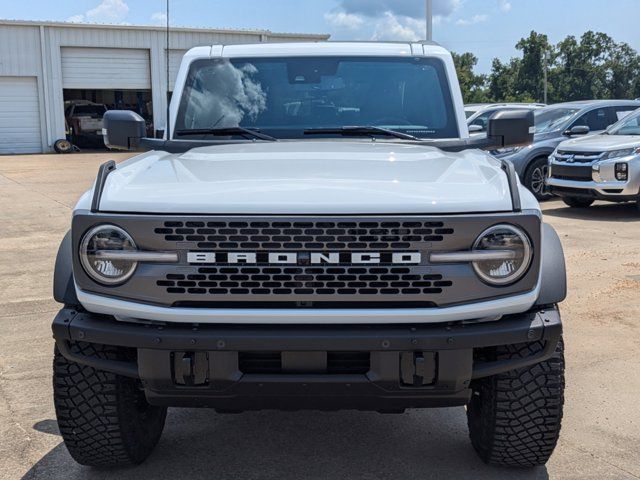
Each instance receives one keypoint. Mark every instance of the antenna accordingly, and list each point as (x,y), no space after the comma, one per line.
(168,121)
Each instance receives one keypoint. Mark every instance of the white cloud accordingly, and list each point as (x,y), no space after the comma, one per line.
(395,27)
(76,18)
(107,11)
(399,8)
(350,21)
(159,18)
(465,22)
(505,6)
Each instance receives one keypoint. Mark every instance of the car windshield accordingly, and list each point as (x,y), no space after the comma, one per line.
(89,110)
(629,125)
(283,97)
(552,119)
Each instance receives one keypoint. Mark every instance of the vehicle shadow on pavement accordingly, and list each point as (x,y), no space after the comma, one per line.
(609,212)
(196,444)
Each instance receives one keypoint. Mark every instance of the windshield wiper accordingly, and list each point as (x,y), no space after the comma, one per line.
(227,131)
(359,131)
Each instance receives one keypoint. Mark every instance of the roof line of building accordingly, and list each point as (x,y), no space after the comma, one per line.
(36,23)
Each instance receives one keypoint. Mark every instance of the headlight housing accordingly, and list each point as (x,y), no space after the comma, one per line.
(503,237)
(506,151)
(620,153)
(107,238)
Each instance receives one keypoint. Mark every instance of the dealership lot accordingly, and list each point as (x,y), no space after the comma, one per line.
(601,430)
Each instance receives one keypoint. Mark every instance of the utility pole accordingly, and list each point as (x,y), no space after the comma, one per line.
(545,63)
(429,20)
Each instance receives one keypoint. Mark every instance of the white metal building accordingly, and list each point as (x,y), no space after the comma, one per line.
(42,64)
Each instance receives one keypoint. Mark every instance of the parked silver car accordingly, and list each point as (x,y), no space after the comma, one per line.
(556,123)
(478,114)
(599,167)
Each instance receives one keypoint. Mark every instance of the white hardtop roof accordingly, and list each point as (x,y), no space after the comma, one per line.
(295,49)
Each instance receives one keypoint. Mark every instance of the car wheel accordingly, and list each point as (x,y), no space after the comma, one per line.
(575,202)
(535,176)
(104,418)
(514,417)
(63,146)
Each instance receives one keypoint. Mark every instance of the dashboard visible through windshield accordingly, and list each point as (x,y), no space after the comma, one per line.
(283,97)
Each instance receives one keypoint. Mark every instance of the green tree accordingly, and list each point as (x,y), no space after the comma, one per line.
(528,85)
(473,86)
(593,67)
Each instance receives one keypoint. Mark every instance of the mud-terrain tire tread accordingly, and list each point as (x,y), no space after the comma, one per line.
(514,418)
(103,418)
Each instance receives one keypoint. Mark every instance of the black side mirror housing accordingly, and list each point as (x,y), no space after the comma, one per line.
(577,130)
(123,129)
(511,128)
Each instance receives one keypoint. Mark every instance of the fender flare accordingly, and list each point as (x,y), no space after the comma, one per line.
(553,275)
(64,290)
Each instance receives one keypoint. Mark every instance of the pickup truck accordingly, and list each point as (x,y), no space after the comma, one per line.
(316,230)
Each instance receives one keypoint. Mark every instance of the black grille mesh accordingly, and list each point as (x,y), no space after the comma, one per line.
(315,235)
(312,280)
(578,173)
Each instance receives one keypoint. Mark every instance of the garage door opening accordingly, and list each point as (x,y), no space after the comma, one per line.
(84,109)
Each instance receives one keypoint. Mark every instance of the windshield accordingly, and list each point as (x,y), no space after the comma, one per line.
(629,125)
(92,110)
(551,119)
(282,97)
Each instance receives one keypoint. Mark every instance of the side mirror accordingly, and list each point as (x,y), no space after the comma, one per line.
(123,129)
(577,130)
(475,128)
(511,128)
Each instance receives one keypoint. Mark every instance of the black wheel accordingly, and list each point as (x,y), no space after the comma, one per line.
(63,146)
(535,176)
(104,419)
(577,202)
(514,418)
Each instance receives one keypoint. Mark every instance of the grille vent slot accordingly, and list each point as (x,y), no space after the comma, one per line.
(316,235)
(316,280)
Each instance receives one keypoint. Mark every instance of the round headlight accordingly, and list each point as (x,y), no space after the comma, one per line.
(503,271)
(107,238)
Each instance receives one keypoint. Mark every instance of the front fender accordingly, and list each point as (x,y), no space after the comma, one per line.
(553,275)
(64,290)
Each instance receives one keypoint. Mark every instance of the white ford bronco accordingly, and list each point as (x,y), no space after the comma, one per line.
(316,230)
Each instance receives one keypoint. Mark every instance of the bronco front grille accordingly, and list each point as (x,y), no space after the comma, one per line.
(316,280)
(206,276)
(315,235)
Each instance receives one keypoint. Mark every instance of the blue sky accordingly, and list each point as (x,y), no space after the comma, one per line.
(488,28)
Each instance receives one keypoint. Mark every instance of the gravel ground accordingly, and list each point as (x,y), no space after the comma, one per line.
(601,430)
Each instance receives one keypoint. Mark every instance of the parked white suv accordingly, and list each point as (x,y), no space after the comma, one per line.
(599,167)
(316,231)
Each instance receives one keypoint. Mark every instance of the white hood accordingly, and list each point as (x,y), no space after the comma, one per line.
(600,143)
(309,177)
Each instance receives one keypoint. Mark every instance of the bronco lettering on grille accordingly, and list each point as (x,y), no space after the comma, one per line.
(305,258)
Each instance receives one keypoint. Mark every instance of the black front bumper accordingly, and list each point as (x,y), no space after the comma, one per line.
(235,368)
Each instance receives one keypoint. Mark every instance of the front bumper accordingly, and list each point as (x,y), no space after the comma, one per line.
(599,184)
(613,191)
(366,367)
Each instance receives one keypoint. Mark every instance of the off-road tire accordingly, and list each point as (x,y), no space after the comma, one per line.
(104,419)
(534,177)
(514,418)
(576,202)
